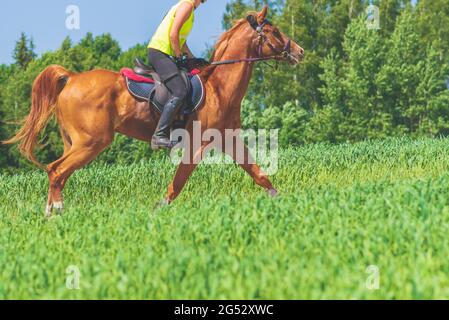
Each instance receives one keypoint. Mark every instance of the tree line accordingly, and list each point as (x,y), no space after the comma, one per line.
(355,83)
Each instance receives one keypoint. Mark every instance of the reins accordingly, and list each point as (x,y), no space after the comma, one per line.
(262,40)
(224,62)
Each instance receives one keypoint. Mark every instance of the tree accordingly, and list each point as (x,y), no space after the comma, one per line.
(106,50)
(66,44)
(354,84)
(24,51)
(5,72)
(432,22)
(234,11)
(432,104)
(365,116)
(15,94)
(317,26)
(398,79)
(127,58)
(3,150)
(389,12)
(238,9)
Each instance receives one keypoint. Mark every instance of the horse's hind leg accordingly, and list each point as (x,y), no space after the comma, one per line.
(52,191)
(80,154)
(183,173)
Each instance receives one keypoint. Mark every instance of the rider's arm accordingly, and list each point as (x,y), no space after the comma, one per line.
(186,50)
(182,15)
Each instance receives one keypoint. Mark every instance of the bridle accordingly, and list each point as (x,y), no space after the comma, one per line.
(263,40)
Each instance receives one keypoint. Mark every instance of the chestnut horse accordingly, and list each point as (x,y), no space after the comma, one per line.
(91,106)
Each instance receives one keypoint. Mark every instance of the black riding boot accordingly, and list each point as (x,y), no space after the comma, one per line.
(161,138)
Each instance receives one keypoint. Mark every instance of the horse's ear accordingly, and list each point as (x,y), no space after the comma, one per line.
(263,14)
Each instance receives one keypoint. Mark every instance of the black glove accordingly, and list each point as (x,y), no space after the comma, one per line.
(182,61)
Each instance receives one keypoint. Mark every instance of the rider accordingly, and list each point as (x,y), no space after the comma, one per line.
(167,51)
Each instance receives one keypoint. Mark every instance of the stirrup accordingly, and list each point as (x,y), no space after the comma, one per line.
(165,145)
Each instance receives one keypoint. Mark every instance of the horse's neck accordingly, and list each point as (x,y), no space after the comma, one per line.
(233,79)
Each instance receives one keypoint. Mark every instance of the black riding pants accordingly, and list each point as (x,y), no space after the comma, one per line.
(167,69)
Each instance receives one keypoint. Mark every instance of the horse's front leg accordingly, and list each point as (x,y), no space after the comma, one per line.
(260,178)
(246,161)
(182,176)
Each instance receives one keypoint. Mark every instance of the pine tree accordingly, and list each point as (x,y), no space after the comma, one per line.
(24,51)
(66,44)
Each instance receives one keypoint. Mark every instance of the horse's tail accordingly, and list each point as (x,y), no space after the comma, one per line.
(46,89)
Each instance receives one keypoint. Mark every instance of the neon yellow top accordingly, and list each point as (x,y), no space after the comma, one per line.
(161,39)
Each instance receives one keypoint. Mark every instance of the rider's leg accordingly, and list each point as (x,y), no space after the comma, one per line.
(169,73)
(178,90)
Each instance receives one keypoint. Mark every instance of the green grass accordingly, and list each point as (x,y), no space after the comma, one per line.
(341,209)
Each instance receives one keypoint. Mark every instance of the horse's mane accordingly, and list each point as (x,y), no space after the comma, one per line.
(222,44)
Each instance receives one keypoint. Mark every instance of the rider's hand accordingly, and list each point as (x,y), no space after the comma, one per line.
(181,60)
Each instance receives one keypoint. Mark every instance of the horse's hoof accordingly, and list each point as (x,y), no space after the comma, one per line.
(49,211)
(59,206)
(161,204)
(273,193)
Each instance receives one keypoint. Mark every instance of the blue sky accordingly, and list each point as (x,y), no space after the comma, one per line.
(130,22)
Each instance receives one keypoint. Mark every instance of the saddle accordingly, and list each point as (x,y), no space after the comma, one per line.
(144,84)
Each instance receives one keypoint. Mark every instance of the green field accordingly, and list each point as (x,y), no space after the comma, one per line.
(342,208)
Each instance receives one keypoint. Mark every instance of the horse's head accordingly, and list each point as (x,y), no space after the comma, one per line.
(271,42)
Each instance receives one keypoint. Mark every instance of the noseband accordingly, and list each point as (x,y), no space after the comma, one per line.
(263,40)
